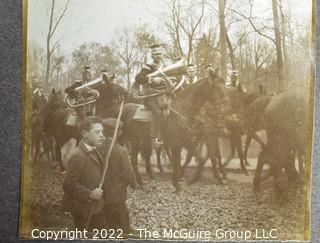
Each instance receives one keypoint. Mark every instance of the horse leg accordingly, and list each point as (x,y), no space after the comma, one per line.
(158,153)
(134,163)
(279,183)
(176,157)
(238,145)
(231,154)
(291,171)
(59,157)
(219,161)
(214,154)
(199,171)
(186,162)
(257,176)
(146,150)
(52,150)
(246,148)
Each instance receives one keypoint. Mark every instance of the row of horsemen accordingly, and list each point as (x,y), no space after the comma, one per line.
(151,89)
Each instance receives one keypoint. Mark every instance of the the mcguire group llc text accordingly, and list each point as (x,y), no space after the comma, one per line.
(167,233)
(207,235)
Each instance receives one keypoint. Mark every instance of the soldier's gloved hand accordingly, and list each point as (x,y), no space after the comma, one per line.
(96,194)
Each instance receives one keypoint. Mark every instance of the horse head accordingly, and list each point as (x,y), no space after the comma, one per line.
(56,99)
(209,89)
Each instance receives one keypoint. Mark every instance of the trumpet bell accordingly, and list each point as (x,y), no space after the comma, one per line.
(177,68)
(84,94)
(82,98)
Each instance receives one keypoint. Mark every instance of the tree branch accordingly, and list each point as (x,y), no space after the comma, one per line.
(59,19)
(253,25)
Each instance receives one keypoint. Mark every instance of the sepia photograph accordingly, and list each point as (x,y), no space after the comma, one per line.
(167,119)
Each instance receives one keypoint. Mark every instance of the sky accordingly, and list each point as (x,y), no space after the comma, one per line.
(99,20)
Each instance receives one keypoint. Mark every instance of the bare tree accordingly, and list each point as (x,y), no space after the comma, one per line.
(132,45)
(127,51)
(182,21)
(278,41)
(283,39)
(53,25)
(189,27)
(223,39)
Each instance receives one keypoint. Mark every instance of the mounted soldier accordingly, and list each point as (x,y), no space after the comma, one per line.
(234,78)
(86,77)
(152,103)
(156,83)
(191,76)
(80,97)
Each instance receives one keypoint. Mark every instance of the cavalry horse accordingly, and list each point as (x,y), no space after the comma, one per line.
(54,124)
(178,132)
(224,120)
(38,136)
(285,119)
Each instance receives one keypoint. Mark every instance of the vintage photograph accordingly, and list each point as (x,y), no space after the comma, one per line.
(167,119)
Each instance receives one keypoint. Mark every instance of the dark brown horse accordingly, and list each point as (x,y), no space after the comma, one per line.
(232,117)
(224,120)
(285,118)
(178,132)
(38,137)
(54,124)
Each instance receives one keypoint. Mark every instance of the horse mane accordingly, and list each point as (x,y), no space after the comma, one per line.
(191,88)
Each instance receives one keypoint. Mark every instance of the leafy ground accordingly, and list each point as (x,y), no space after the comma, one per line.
(204,205)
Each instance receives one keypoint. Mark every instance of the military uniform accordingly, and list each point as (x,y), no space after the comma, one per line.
(234,78)
(151,103)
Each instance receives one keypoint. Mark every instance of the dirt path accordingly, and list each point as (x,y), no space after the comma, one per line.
(203,206)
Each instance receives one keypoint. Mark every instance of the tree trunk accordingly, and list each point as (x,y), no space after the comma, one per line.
(128,76)
(278,44)
(241,61)
(48,64)
(223,40)
(231,52)
(189,49)
(286,65)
